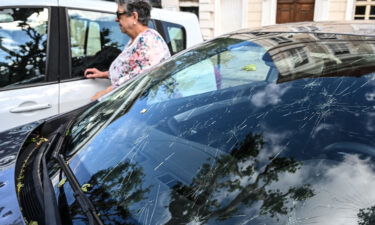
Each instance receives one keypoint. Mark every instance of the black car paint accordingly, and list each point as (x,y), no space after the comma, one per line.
(12,144)
(12,140)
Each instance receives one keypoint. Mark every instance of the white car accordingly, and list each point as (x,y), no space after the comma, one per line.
(46,45)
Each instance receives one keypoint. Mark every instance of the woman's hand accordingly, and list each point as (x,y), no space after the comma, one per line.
(93,73)
(101,93)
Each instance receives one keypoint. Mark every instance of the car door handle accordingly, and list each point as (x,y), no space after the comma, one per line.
(30,108)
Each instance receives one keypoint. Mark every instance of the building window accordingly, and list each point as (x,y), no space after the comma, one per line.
(364,10)
(339,48)
(299,57)
(156,3)
(192,9)
(281,39)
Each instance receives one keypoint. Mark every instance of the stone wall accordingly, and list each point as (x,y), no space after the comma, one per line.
(337,9)
(258,12)
(207,18)
(254,13)
(170,4)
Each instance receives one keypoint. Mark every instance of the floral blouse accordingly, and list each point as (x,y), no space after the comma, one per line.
(147,50)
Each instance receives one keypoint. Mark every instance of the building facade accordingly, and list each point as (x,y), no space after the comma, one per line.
(220,16)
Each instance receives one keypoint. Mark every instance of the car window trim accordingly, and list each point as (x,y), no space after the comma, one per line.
(64,45)
(73,79)
(52,45)
(26,6)
(28,86)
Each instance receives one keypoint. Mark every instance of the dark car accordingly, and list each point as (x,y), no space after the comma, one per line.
(248,128)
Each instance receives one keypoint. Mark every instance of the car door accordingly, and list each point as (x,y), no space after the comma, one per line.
(95,40)
(28,75)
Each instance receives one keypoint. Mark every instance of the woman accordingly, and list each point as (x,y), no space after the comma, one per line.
(145,48)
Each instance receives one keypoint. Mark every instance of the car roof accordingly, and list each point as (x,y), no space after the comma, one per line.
(186,19)
(99,5)
(305,33)
(336,27)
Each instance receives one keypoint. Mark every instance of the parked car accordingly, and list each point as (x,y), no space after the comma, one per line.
(46,45)
(251,127)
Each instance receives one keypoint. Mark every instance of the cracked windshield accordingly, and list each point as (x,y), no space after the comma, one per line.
(242,144)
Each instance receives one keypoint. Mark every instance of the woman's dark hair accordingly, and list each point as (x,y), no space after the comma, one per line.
(142,7)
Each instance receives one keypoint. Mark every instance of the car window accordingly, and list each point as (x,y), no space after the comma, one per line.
(23,46)
(245,59)
(79,45)
(175,36)
(95,40)
(196,72)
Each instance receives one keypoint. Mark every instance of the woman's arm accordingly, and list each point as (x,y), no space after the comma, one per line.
(101,93)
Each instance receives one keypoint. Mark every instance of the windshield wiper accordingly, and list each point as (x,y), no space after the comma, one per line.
(85,203)
(51,211)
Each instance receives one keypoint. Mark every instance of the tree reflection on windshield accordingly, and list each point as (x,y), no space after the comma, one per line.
(223,188)
(236,175)
(113,191)
(366,216)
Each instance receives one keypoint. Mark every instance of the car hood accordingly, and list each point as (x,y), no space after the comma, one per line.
(11,142)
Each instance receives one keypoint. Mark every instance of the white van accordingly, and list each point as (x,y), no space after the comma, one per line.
(45,45)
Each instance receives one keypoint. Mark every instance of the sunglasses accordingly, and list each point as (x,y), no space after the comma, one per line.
(119,14)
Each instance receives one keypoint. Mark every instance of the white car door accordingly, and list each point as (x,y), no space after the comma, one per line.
(25,94)
(76,93)
(95,41)
(24,105)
